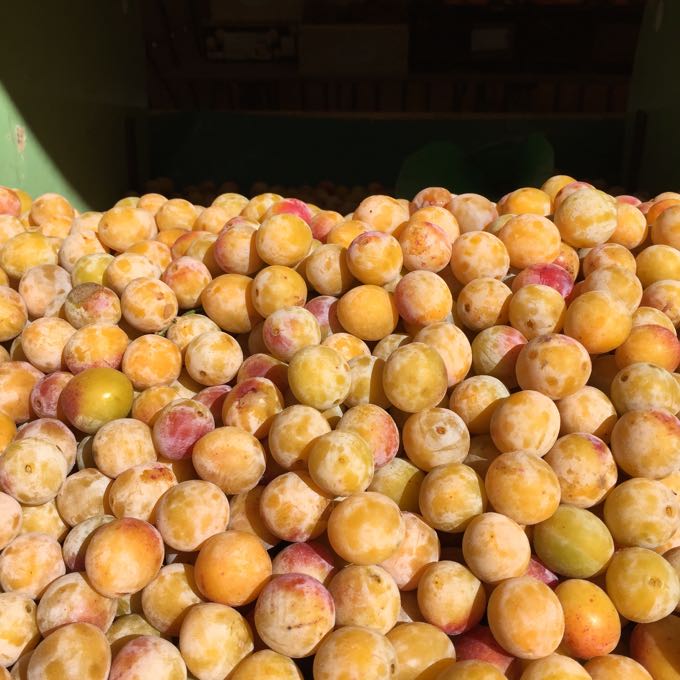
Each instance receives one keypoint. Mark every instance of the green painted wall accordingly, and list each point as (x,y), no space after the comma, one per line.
(655,90)
(70,75)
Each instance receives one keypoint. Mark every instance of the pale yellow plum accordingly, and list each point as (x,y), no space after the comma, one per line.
(283,239)
(77,245)
(54,431)
(415,377)
(643,586)
(495,548)
(327,269)
(29,564)
(75,544)
(586,219)
(555,666)
(191,512)
(26,250)
(119,228)
(526,617)
(495,351)
(453,347)
(472,211)
(381,213)
(643,386)
(240,554)
(555,365)
(186,328)
(43,342)
(44,289)
(620,282)
(347,345)
(166,600)
(276,287)
(642,512)
(343,233)
(148,305)
(127,267)
(97,345)
(515,476)
(530,239)
(365,596)
(227,300)
(71,599)
(123,556)
(292,432)
(374,258)
(614,666)
(293,614)
(366,528)
(341,463)
(483,303)
(479,254)
(526,420)
(83,495)
(266,664)
(422,650)
(451,496)
(366,374)
(43,519)
(600,321)
(72,652)
(244,515)
(368,312)
(136,491)
(176,213)
(471,669)
(294,507)
(475,399)
(553,184)
(652,344)
(32,470)
(536,310)
(159,253)
(419,548)
(376,427)
(399,480)
(17,380)
(645,443)
(528,200)
(319,377)
(587,410)
(213,639)
(585,468)
(19,632)
(430,196)
(422,298)
(425,246)
(187,277)
(355,652)
(230,458)
(151,360)
(12,515)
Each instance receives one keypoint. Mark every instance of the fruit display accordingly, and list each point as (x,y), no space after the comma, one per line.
(425,439)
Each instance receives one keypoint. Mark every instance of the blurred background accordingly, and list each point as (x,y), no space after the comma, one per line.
(329,100)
